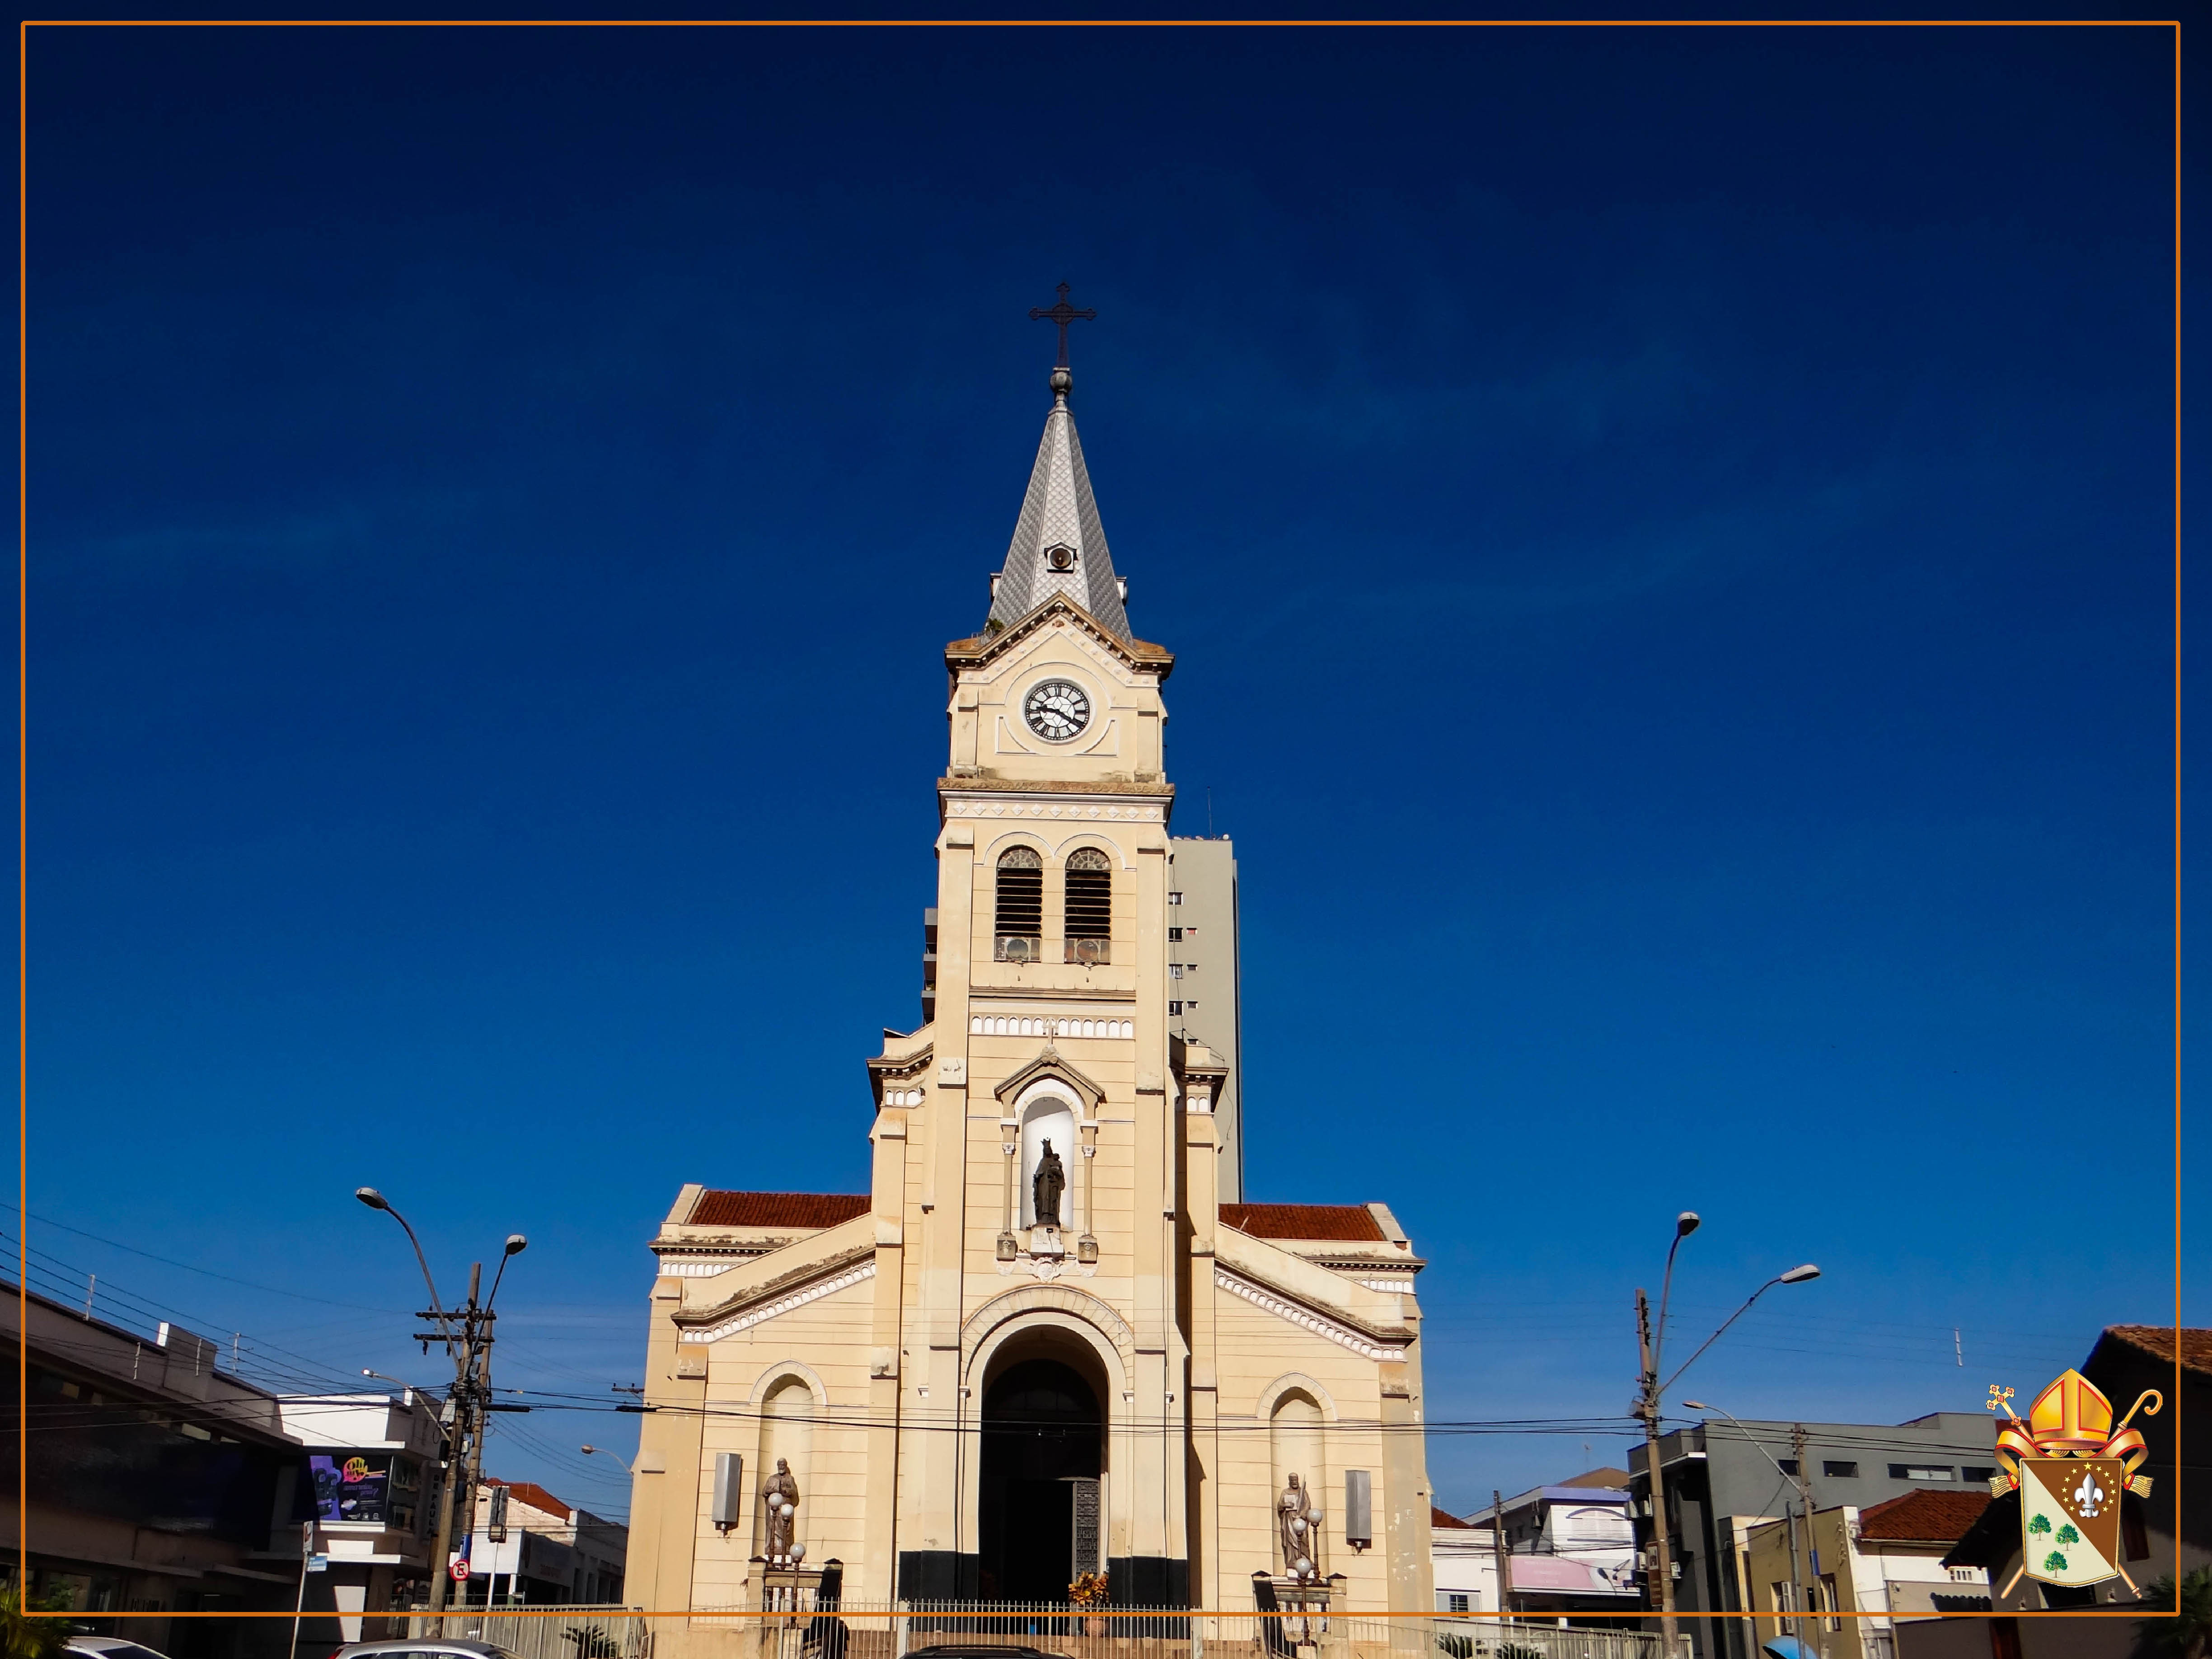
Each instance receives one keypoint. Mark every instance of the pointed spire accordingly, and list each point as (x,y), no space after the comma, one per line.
(1058,545)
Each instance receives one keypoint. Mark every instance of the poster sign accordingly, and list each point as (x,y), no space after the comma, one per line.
(351,1487)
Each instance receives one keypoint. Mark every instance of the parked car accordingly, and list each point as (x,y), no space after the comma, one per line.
(110,1647)
(420,1647)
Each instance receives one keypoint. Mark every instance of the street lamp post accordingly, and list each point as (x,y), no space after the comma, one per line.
(601,1451)
(1648,1344)
(1650,1347)
(462,1421)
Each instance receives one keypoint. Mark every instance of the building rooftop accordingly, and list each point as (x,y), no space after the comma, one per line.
(1922,1517)
(1438,1518)
(726,1209)
(532,1494)
(1604,1475)
(2158,1341)
(1352,1223)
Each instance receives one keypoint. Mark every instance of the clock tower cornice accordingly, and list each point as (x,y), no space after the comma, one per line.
(979,652)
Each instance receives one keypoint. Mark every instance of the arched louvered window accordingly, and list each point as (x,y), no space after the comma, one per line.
(1020,904)
(1090,905)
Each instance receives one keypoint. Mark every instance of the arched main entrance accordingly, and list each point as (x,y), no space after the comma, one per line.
(1042,1436)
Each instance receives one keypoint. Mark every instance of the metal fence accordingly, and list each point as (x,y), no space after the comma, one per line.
(581,1632)
(862,1631)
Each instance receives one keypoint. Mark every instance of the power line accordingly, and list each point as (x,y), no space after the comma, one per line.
(209,1272)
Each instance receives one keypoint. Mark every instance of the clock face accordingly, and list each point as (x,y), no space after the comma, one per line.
(1057,710)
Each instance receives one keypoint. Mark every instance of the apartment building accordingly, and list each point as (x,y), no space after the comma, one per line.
(1204,1002)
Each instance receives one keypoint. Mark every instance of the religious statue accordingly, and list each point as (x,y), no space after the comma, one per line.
(781,1495)
(1046,1187)
(1297,1519)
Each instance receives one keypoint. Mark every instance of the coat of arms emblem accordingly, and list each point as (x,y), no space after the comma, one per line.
(2072,1466)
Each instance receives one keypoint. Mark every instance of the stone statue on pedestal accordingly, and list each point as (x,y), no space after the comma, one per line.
(1293,1510)
(1047,1186)
(781,1495)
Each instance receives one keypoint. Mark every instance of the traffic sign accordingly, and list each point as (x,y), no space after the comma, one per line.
(459,1569)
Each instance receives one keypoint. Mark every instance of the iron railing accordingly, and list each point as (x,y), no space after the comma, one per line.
(575,1632)
(853,1630)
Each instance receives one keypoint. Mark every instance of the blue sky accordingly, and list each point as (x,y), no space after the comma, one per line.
(1668,538)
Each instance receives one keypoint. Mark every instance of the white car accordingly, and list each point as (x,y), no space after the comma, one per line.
(415,1647)
(109,1647)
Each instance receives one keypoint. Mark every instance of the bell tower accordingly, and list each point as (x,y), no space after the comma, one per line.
(1050,1027)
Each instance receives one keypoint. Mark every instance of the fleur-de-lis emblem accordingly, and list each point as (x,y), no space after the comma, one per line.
(2090,1496)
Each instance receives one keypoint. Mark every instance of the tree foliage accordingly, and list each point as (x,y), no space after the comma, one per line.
(2067,1535)
(2186,1633)
(28,1635)
(2039,1525)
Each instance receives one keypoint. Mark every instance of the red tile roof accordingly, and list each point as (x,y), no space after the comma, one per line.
(1923,1518)
(532,1494)
(1438,1518)
(1349,1222)
(720,1209)
(2157,1339)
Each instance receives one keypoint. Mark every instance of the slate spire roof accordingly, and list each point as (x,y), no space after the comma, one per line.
(1059,545)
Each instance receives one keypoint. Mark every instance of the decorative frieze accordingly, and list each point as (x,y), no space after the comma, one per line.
(782,1305)
(968,807)
(1305,1318)
(1048,1025)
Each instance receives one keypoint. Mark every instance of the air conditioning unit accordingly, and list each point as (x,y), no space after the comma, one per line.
(1017,950)
(1090,951)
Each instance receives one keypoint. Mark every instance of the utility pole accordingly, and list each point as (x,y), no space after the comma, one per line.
(470,1349)
(1796,1584)
(1812,1548)
(463,1419)
(1499,1553)
(300,1606)
(1648,1408)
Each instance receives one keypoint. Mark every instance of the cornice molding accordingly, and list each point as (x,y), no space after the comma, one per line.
(1362,1340)
(800,1280)
(762,1312)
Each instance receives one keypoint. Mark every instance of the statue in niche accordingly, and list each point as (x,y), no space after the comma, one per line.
(1047,1186)
(1297,1519)
(782,1496)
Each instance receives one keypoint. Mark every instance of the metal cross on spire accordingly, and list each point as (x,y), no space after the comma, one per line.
(1063,314)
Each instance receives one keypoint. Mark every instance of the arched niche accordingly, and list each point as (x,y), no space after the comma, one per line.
(788,1401)
(1295,1445)
(1047,1113)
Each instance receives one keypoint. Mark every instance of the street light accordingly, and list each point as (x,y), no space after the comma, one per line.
(1651,1345)
(376,1200)
(407,1390)
(464,1416)
(1796,1584)
(601,1451)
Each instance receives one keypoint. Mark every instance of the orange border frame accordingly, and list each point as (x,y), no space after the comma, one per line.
(23,603)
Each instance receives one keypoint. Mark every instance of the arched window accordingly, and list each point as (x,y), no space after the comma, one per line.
(1090,905)
(1020,904)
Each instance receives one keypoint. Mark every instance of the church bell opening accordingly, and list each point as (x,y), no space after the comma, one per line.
(1042,1444)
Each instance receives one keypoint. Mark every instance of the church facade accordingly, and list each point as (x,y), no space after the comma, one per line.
(1039,1341)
